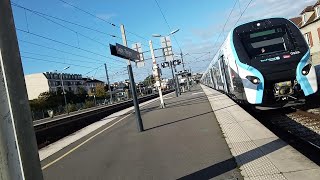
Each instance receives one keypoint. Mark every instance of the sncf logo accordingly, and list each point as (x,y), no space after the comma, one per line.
(295,53)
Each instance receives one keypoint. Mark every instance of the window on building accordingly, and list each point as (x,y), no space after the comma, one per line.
(308,37)
(304,18)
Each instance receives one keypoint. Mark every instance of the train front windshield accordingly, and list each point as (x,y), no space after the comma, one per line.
(266,42)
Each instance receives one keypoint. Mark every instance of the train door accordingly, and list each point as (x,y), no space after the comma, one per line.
(221,76)
(225,74)
(212,78)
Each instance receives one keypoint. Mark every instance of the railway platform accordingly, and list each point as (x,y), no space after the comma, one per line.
(201,134)
(259,153)
(182,141)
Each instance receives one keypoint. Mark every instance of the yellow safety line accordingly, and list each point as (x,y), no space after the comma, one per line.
(84,142)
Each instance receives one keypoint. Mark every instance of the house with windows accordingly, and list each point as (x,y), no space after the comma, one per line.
(52,82)
(309,24)
(90,84)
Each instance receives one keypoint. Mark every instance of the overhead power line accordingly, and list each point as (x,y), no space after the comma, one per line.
(64,20)
(47,17)
(55,57)
(237,19)
(165,19)
(225,24)
(66,44)
(47,47)
(56,62)
(60,42)
(95,69)
(87,12)
(108,22)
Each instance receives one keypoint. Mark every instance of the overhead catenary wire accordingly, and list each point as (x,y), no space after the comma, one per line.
(58,50)
(63,20)
(225,24)
(108,22)
(56,57)
(236,21)
(87,12)
(47,17)
(57,62)
(66,44)
(165,19)
(60,42)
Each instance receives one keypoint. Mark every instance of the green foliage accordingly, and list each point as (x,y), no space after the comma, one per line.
(89,104)
(100,92)
(52,100)
(149,80)
(72,107)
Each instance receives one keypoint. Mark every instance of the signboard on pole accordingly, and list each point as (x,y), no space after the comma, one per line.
(167,48)
(137,47)
(124,52)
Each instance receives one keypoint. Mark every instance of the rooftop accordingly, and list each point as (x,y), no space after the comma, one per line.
(313,18)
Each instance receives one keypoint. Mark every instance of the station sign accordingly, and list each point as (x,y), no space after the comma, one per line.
(124,52)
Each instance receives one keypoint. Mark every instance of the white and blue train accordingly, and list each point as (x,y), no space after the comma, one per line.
(265,62)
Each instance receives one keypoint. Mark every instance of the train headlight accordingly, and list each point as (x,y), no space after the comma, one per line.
(253,79)
(305,71)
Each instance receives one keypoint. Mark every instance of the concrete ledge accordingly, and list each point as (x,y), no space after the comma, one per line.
(259,153)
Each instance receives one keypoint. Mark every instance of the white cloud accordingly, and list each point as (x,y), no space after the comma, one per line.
(258,9)
(106,16)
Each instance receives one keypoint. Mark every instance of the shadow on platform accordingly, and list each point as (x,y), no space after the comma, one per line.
(230,164)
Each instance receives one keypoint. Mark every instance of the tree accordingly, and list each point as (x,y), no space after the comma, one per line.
(149,80)
(81,94)
(100,91)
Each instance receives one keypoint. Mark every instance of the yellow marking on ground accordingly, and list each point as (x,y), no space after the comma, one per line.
(84,142)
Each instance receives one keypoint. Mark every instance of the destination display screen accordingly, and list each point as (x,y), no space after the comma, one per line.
(266,42)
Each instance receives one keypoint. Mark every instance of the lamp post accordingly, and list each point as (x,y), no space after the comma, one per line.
(64,93)
(171,63)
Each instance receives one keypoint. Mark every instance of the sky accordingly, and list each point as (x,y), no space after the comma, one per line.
(47,44)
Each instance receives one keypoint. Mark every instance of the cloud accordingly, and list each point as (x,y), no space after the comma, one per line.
(275,8)
(258,9)
(106,16)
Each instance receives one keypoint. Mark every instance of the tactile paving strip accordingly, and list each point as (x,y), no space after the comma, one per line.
(235,133)
(224,117)
(268,177)
(253,162)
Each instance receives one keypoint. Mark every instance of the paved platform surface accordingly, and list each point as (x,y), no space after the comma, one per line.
(258,152)
(182,141)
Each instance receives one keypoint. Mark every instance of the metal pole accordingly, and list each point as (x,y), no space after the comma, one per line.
(188,84)
(133,84)
(64,93)
(19,159)
(177,80)
(157,76)
(110,91)
(174,79)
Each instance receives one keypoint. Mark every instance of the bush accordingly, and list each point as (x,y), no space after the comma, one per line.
(72,107)
(89,104)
